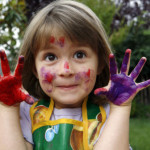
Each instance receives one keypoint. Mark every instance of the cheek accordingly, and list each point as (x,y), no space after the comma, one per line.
(88,74)
(87,78)
(46,79)
(47,75)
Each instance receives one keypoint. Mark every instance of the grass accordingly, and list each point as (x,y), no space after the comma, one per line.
(140,133)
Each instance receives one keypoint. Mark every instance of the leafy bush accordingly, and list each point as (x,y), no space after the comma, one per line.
(140,110)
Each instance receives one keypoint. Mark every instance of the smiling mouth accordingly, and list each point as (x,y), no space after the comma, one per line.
(67,87)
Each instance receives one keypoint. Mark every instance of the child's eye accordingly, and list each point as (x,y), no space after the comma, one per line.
(50,57)
(79,55)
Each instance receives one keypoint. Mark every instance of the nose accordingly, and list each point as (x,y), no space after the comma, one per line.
(66,69)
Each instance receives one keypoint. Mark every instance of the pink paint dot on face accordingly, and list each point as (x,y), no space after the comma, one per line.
(88,73)
(66,65)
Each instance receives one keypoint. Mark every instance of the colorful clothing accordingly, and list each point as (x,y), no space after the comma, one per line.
(67,134)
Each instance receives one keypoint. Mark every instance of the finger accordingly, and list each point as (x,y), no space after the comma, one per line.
(29,99)
(126,62)
(26,97)
(19,68)
(112,65)
(143,85)
(100,91)
(134,74)
(4,63)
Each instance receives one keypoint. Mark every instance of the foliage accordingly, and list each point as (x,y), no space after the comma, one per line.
(137,39)
(12,23)
(140,110)
(139,133)
(104,9)
(34,5)
(133,32)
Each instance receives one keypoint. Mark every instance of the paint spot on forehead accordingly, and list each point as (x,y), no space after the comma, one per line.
(52,39)
(61,41)
(57,40)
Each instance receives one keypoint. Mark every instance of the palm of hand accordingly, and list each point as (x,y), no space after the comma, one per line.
(10,85)
(122,88)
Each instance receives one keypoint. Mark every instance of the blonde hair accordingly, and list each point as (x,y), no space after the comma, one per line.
(80,24)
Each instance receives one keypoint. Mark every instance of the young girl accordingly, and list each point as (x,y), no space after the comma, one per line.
(66,62)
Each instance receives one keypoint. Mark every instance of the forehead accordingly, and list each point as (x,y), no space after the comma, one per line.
(59,36)
(49,32)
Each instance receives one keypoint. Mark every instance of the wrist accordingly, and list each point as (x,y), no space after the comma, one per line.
(5,108)
(121,109)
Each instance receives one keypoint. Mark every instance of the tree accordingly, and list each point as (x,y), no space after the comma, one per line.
(131,29)
(34,5)
(104,9)
(12,23)
(128,26)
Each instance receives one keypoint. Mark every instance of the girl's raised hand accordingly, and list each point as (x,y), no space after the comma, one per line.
(10,85)
(122,87)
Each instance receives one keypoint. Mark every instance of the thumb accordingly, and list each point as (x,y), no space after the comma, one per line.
(100,91)
(26,97)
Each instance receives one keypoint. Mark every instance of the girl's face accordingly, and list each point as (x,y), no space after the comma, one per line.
(66,71)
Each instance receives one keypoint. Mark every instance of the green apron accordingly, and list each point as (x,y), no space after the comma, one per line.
(65,134)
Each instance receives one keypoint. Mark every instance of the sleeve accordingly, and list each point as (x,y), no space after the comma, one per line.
(107,110)
(25,121)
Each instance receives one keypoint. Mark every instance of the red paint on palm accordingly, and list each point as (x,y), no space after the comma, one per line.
(10,85)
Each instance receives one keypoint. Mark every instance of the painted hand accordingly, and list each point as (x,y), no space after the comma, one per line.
(122,87)
(10,85)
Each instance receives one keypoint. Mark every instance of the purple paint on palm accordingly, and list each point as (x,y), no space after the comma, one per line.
(122,86)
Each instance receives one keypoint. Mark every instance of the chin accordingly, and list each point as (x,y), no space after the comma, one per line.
(68,102)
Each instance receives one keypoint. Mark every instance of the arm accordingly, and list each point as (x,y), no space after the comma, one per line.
(11,135)
(120,92)
(115,135)
(10,97)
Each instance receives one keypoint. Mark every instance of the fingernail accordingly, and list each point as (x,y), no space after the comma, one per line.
(111,55)
(144,58)
(2,54)
(128,50)
(21,59)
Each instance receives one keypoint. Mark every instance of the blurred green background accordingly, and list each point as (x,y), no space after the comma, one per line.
(127,23)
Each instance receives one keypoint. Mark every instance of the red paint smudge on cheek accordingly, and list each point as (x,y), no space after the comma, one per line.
(52,39)
(88,73)
(49,77)
(66,65)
